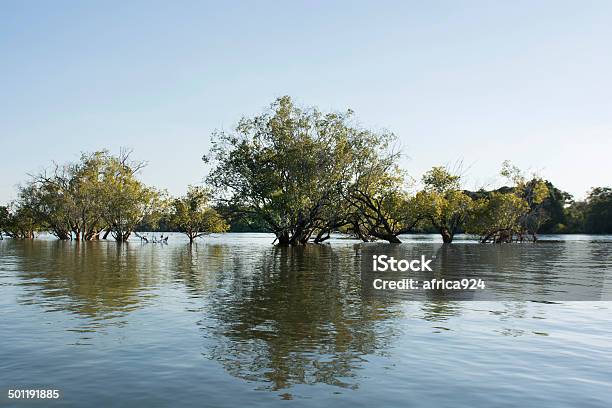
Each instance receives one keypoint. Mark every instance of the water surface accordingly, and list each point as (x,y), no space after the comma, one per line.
(235,321)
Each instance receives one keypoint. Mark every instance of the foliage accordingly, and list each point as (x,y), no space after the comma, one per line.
(509,214)
(68,199)
(378,205)
(4,219)
(301,174)
(497,217)
(289,167)
(556,207)
(534,191)
(80,200)
(575,218)
(440,180)
(442,202)
(18,222)
(128,202)
(598,211)
(193,216)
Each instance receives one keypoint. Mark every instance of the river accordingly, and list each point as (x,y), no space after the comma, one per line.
(234,321)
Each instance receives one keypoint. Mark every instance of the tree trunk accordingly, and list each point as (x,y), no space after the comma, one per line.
(361,235)
(323,235)
(393,239)
(283,238)
(447,236)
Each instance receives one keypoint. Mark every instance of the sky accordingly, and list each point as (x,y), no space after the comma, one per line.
(471,82)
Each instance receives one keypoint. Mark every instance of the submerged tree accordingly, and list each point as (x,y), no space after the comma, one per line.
(69,198)
(380,206)
(511,213)
(288,167)
(50,205)
(497,217)
(443,202)
(19,222)
(99,192)
(193,216)
(128,202)
(533,191)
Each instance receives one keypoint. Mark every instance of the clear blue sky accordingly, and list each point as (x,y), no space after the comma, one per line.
(529,81)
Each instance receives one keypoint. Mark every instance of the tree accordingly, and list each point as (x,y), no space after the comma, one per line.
(510,213)
(89,193)
(598,215)
(100,191)
(497,217)
(288,167)
(375,203)
(4,220)
(554,207)
(19,222)
(442,202)
(534,192)
(192,215)
(128,202)
(575,216)
(68,199)
(379,204)
(50,206)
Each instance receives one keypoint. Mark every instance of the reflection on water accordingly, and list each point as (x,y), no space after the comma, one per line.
(219,321)
(96,281)
(297,317)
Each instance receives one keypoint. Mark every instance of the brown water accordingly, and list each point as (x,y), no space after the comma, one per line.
(234,321)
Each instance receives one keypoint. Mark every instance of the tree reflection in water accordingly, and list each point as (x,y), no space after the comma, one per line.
(96,280)
(300,318)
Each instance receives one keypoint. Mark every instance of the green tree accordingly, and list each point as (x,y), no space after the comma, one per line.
(89,194)
(69,198)
(79,200)
(4,220)
(18,221)
(554,207)
(497,217)
(598,214)
(288,167)
(510,213)
(128,202)
(192,215)
(379,204)
(534,191)
(443,202)
(50,205)
(575,216)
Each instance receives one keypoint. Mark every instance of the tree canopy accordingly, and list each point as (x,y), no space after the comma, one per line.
(98,193)
(443,203)
(193,216)
(598,211)
(301,174)
(290,166)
